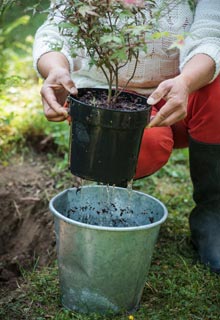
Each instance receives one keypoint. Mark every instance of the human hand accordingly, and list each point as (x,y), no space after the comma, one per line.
(54,91)
(175,92)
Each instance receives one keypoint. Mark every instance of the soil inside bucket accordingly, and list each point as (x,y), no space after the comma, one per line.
(110,213)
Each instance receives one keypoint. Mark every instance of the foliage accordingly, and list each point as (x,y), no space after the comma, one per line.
(113,32)
(15,40)
(21,116)
(5,52)
(23,124)
(5,4)
(192,4)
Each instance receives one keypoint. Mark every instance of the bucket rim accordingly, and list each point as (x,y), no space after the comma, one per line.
(105,228)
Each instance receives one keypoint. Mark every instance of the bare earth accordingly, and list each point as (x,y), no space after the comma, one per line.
(27,235)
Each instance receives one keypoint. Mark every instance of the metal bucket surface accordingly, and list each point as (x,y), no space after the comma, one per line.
(104,257)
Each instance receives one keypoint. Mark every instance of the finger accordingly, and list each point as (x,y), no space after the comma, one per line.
(167,116)
(50,101)
(162,115)
(52,113)
(159,93)
(54,117)
(69,85)
(57,119)
(169,121)
(157,120)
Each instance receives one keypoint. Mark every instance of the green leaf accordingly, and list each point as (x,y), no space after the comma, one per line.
(68,25)
(86,9)
(110,38)
(22,20)
(159,35)
(120,55)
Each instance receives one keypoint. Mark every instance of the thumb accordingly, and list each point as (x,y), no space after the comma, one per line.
(73,91)
(69,85)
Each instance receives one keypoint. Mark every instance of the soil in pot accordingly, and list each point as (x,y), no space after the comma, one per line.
(123,102)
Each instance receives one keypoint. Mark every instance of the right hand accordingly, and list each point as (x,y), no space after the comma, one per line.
(54,92)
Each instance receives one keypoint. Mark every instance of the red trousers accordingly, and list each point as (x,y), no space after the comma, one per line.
(202,123)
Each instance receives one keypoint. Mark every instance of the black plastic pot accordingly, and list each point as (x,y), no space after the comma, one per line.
(104,143)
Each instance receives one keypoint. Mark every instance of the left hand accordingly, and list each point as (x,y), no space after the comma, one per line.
(175,92)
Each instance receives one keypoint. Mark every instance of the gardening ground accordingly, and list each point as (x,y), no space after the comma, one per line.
(34,168)
(177,286)
(26,225)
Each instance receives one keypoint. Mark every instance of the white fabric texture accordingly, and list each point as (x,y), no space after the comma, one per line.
(160,62)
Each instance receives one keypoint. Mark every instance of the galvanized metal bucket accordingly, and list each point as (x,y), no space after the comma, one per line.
(105,241)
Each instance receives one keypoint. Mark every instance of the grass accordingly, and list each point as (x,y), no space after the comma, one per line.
(177,287)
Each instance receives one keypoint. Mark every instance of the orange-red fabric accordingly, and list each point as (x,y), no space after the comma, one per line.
(203,118)
(202,123)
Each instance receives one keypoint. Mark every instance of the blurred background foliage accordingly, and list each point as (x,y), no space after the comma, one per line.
(22,123)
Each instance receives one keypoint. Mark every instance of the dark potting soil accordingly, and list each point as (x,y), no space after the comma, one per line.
(110,216)
(131,103)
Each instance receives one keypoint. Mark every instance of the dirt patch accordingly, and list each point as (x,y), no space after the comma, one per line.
(27,235)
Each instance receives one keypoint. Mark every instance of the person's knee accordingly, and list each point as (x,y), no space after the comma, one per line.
(155,150)
(202,120)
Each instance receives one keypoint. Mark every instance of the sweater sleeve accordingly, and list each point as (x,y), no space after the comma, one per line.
(204,34)
(48,38)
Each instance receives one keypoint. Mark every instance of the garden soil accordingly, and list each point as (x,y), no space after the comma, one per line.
(27,238)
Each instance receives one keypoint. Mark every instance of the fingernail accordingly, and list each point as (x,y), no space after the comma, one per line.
(73,90)
(65,114)
(150,101)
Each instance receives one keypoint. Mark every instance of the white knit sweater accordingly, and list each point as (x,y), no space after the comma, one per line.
(160,62)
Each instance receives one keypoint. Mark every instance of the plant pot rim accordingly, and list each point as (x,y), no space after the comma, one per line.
(104,228)
(142,97)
